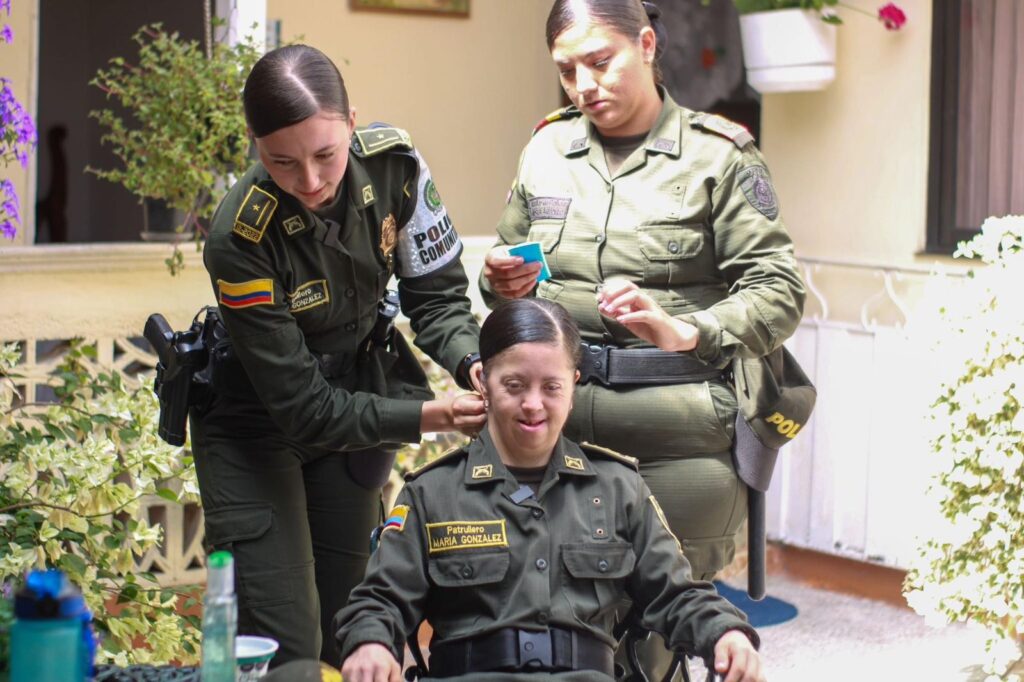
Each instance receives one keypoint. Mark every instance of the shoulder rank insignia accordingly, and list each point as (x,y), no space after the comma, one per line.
(558,115)
(254,214)
(739,135)
(596,450)
(449,456)
(370,141)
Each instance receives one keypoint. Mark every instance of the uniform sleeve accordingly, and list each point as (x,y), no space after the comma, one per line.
(690,614)
(284,374)
(755,255)
(513,228)
(432,282)
(388,603)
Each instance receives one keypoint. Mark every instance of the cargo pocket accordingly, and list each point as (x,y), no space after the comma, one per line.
(243,530)
(463,569)
(667,248)
(460,611)
(597,575)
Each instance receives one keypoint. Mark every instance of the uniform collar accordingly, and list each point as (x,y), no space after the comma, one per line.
(665,136)
(484,465)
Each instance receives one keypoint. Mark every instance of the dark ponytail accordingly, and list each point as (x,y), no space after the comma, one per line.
(626,17)
(290,84)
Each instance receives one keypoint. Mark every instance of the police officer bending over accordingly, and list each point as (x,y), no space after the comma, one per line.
(312,389)
(518,547)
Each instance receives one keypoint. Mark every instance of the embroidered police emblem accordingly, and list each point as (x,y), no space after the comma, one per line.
(368,194)
(254,214)
(293,225)
(663,144)
(757,188)
(577,144)
(431,197)
(574,463)
(483,471)
(388,235)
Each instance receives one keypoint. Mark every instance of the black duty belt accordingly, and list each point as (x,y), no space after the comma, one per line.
(511,649)
(611,366)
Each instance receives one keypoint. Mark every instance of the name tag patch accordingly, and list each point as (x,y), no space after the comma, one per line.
(451,535)
(309,295)
(245,294)
(548,208)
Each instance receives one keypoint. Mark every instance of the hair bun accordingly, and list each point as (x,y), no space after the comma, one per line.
(653,11)
(654,16)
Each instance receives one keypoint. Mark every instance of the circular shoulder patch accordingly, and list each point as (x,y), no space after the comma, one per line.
(431,196)
(757,188)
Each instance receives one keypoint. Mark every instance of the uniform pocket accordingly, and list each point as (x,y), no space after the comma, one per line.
(596,576)
(660,243)
(243,531)
(464,569)
(547,232)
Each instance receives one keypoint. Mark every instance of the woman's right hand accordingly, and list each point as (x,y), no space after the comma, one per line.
(371,662)
(464,413)
(509,276)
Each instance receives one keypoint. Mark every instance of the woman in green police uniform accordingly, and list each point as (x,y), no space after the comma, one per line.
(312,391)
(517,548)
(661,231)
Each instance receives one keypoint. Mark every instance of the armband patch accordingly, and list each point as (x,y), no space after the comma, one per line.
(451,535)
(757,188)
(254,214)
(309,295)
(428,242)
(396,519)
(245,294)
(739,135)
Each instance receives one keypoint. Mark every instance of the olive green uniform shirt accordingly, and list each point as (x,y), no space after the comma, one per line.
(294,288)
(460,553)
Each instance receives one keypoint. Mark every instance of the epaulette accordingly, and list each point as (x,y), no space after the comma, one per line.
(714,123)
(559,114)
(597,450)
(254,214)
(379,137)
(446,457)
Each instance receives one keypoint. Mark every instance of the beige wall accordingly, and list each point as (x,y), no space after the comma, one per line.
(468,90)
(16,62)
(850,163)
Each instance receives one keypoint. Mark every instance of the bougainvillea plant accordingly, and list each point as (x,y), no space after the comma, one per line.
(17,140)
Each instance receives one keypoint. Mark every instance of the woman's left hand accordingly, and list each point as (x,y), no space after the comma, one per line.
(626,304)
(468,413)
(736,659)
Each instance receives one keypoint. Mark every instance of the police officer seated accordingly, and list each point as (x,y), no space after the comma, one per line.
(518,547)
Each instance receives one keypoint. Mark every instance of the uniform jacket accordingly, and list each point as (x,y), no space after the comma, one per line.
(293,287)
(459,552)
(692,219)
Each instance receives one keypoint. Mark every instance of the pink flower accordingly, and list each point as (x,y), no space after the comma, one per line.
(892,16)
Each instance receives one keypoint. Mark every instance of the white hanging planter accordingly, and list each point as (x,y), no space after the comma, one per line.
(788,50)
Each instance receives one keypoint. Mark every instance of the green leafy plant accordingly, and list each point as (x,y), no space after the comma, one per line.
(970,566)
(889,14)
(179,131)
(72,475)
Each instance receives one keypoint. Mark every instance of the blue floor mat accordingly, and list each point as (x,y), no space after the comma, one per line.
(768,611)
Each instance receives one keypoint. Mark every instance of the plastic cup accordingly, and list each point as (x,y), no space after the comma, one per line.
(252,655)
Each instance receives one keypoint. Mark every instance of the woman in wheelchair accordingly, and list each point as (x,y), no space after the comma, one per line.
(518,547)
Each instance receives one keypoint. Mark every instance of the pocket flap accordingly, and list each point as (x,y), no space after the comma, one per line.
(599,560)
(242,522)
(464,569)
(670,242)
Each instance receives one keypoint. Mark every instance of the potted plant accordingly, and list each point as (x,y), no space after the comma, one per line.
(790,45)
(179,131)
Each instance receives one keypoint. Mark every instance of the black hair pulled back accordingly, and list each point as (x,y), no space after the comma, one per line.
(290,84)
(626,17)
(528,320)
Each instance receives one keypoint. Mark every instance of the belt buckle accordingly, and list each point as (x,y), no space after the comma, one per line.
(594,364)
(535,650)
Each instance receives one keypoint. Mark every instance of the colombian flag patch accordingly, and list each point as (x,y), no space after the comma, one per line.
(396,519)
(245,294)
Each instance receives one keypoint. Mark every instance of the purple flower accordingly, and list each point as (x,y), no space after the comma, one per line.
(11,208)
(8,229)
(6,6)
(6,34)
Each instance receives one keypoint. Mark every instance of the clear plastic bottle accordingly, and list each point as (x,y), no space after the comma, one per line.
(220,619)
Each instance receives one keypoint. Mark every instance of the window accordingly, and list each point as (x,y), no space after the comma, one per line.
(977,132)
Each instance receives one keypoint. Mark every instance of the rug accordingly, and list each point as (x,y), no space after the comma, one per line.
(768,611)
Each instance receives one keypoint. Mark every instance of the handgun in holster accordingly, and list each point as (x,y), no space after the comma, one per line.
(183,356)
(384,328)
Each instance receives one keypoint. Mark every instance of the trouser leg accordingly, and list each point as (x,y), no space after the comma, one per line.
(341,515)
(254,502)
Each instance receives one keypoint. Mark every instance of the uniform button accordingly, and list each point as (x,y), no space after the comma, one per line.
(543,618)
(673,247)
(537,513)
(598,238)
(467,571)
(350,327)
(541,564)
(602,566)
(350,292)
(599,532)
